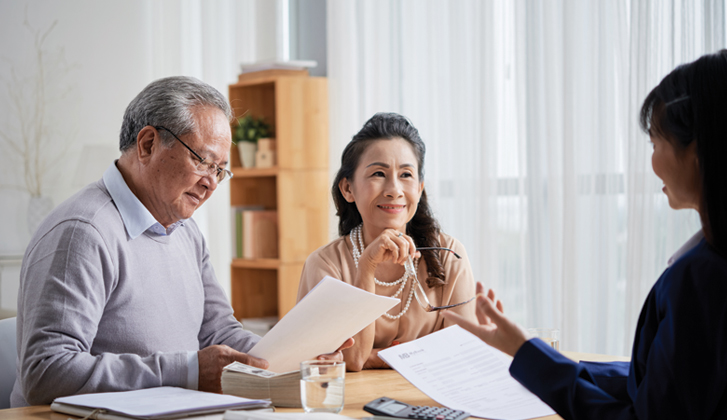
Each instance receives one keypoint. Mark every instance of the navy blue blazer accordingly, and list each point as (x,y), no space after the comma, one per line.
(678,365)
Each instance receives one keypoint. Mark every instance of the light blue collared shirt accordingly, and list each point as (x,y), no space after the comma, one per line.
(689,244)
(137,220)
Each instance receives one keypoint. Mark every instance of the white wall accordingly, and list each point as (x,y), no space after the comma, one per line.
(111,50)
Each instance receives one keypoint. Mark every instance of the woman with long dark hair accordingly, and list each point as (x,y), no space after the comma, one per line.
(385,221)
(677,367)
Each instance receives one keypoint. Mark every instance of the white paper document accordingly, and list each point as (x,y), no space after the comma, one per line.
(458,370)
(256,415)
(326,317)
(151,403)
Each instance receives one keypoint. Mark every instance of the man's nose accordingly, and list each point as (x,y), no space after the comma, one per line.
(209,181)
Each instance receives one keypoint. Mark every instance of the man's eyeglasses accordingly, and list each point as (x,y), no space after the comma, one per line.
(424,300)
(203,167)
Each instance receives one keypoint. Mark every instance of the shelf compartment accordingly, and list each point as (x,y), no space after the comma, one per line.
(250,191)
(238,172)
(257,99)
(260,263)
(254,292)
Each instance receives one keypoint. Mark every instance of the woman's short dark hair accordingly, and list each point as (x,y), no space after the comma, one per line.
(423,227)
(690,104)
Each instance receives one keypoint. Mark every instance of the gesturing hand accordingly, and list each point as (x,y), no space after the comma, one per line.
(493,327)
(213,358)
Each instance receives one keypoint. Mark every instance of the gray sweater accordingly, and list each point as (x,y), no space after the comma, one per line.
(98,311)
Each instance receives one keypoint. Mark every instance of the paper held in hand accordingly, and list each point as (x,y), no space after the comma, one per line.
(458,370)
(323,320)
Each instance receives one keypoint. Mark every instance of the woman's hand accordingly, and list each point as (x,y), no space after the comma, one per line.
(337,355)
(375,362)
(390,245)
(493,327)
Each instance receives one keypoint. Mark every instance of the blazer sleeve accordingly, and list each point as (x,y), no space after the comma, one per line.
(676,369)
(570,388)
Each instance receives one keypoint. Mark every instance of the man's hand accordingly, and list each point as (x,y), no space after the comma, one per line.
(213,358)
(337,355)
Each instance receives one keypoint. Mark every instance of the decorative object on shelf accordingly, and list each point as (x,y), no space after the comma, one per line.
(34,138)
(266,155)
(246,135)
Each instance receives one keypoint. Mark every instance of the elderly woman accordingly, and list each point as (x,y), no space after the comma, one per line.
(385,226)
(677,367)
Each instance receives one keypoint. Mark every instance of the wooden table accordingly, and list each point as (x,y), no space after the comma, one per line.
(361,387)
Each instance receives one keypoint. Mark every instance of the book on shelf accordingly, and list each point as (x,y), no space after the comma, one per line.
(282,389)
(260,234)
(255,232)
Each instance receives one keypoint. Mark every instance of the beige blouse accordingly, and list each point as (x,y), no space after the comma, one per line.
(336,260)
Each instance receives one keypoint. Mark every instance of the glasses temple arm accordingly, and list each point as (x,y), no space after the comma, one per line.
(409,266)
(425,248)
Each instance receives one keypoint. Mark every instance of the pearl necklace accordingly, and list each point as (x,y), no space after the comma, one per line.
(358,247)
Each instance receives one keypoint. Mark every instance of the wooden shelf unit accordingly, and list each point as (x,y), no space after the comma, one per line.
(296,106)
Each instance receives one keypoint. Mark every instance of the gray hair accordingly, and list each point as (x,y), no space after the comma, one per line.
(169,102)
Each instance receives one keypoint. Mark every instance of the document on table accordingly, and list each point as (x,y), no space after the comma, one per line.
(328,315)
(256,415)
(151,403)
(458,370)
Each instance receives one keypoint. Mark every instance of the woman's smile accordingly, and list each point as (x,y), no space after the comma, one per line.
(392,208)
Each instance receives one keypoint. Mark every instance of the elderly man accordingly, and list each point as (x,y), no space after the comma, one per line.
(117,291)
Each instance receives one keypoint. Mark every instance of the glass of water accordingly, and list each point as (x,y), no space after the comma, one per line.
(322,385)
(549,335)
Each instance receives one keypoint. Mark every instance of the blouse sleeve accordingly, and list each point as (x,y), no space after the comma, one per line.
(459,275)
(316,267)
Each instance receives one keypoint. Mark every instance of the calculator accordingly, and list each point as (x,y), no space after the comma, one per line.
(392,408)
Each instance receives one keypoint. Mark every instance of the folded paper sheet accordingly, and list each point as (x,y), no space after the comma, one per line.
(151,403)
(458,370)
(328,315)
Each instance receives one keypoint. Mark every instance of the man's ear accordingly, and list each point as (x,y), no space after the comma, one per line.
(147,140)
(345,187)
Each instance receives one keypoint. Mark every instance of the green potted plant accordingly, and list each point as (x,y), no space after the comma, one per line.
(249,129)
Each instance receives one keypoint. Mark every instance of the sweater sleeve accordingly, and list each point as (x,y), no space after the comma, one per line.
(219,325)
(70,271)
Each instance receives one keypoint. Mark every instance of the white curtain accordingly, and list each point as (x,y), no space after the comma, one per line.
(534,156)
(114,49)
